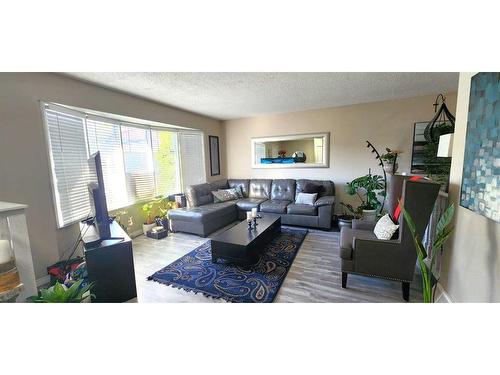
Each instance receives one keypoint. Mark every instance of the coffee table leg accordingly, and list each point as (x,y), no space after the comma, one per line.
(214,258)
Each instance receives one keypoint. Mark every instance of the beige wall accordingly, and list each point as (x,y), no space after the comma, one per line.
(471,264)
(24,166)
(385,124)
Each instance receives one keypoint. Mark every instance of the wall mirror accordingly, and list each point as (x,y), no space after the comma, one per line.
(291,151)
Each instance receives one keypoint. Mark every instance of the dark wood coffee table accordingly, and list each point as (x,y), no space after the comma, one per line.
(242,246)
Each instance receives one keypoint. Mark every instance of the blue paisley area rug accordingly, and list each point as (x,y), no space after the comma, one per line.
(259,282)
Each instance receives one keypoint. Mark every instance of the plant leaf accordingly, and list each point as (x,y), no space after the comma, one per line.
(446,218)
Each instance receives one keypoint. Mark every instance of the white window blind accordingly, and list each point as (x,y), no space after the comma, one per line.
(105,137)
(70,170)
(138,162)
(192,161)
(166,162)
(139,171)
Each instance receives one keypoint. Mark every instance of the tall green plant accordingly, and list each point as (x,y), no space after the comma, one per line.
(367,188)
(443,232)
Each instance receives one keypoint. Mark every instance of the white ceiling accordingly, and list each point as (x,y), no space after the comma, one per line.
(235,95)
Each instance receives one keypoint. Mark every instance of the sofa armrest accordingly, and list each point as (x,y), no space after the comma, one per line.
(327,200)
(363,224)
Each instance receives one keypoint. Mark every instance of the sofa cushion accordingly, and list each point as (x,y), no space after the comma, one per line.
(260,188)
(225,195)
(327,187)
(347,236)
(246,204)
(203,214)
(276,206)
(198,195)
(306,198)
(283,189)
(301,209)
(243,184)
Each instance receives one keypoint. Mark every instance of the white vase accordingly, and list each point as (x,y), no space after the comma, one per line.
(390,168)
(370,215)
(146,227)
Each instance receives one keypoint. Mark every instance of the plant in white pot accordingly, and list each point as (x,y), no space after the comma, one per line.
(389,160)
(367,189)
(149,223)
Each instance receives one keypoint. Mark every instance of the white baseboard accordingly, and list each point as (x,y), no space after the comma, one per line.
(441,295)
(42,281)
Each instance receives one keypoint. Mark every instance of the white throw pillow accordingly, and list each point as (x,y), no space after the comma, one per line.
(385,228)
(305,198)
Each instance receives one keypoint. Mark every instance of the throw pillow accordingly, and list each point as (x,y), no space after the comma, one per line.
(239,191)
(310,188)
(385,228)
(305,198)
(224,195)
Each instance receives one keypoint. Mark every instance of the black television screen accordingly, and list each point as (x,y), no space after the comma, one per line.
(98,197)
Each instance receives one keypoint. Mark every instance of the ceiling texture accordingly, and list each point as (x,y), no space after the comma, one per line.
(226,96)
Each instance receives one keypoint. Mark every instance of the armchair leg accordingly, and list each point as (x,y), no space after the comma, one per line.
(406,291)
(344,279)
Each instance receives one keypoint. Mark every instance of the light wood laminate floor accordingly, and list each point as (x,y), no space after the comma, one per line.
(315,274)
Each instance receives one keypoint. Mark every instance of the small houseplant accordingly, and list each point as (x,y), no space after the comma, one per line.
(348,214)
(389,160)
(367,188)
(149,223)
(443,232)
(164,205)
(60,293)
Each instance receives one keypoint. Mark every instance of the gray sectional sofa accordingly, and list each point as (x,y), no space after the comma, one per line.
(202,216)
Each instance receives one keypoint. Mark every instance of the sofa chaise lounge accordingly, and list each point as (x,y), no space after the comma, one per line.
(202,216)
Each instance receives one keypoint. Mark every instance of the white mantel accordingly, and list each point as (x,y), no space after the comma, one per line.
(16,215)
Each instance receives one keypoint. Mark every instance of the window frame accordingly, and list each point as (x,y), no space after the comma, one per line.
(82,113)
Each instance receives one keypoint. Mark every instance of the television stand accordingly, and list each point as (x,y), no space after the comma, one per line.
(110,264)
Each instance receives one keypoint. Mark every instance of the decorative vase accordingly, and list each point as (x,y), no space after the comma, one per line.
(146,227)
(369,215)
(344,222)
(390,168)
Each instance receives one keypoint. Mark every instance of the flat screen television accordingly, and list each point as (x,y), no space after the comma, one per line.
(98,198)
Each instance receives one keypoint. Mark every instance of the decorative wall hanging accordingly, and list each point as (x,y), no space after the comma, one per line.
(480,190)
(213,143)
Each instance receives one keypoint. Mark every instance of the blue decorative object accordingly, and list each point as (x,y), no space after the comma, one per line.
(481,173)
(257,283)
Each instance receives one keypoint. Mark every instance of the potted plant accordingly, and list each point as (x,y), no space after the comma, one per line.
(348,214)
(164,205)
(389,161)
(367,188)
(60,293)
(150,222)
(282,153)
(443,232)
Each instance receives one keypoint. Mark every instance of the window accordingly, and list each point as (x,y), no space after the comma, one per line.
(139,162)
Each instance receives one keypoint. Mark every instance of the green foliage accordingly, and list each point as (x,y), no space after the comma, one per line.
(59,293)
(438,169)
(443,232)
(367,188)
(349,210)
(147,208)
(389,156)
(166,161)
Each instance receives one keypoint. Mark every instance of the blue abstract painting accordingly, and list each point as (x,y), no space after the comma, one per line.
(480,190)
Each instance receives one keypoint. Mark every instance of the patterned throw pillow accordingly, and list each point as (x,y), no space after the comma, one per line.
(224,195)
(304,198)
(239,191)
(385,228)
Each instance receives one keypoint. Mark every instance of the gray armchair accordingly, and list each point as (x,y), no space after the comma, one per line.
(362,253)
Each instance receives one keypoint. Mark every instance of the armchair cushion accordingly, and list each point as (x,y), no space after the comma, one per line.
(327,200)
